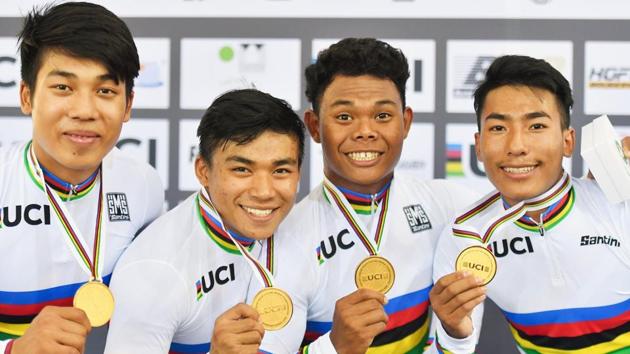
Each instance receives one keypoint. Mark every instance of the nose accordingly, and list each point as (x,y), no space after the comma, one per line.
(365,129)
(262,186)
(517,143)
(83,106)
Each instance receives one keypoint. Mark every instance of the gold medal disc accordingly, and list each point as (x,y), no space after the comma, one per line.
(96,300)
(479,261)
(376,273)
(274,306)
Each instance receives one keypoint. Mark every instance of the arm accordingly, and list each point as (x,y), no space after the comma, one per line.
(150,301)
(457,301)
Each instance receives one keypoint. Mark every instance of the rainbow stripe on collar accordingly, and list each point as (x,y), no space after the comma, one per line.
(552,196)
(364,204)
(213,228)
(64,190)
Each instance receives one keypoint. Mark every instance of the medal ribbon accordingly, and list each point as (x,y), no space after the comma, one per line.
(264,274)
(345,209)
(552,196)
(75,240)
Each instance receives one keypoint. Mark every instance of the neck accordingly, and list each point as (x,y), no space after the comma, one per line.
(68,175)
(367,189)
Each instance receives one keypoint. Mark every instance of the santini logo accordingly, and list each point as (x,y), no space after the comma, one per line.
(599,240)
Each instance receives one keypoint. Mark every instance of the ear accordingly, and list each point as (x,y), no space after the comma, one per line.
(478,147)
(312,124)
(128,105)
(568,142)
(25,99)
(407,120)
(201,171)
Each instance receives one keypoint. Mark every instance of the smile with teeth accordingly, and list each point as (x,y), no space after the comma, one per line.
(519,170)
(257,212)
(363,155)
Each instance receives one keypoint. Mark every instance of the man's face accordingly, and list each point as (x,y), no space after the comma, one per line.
(253,186)
(78,110)
(361,125)
(521,141)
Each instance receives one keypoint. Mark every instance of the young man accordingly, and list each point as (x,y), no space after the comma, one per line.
(182,286)
(69,202)
(357,91)
(562,250)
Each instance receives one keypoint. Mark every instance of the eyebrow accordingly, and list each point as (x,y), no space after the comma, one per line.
(70,75)
(246,161)
(342,102)
(530,115)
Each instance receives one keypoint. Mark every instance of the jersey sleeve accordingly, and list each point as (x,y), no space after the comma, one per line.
(444,264)
(150,303)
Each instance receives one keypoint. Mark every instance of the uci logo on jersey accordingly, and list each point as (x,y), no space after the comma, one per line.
(117,207)
(516,245)
(32,214)
(328,248)
(220,276)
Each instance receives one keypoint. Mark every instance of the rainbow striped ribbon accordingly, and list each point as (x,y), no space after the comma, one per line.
(346,210)
(552,196)
(265,274)
(76,242)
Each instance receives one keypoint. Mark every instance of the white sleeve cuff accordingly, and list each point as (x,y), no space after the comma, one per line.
(323,345)
(456,345)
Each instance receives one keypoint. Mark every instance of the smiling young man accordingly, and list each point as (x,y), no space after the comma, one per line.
(561,248)
(183,286)
(69,202)
(359,115)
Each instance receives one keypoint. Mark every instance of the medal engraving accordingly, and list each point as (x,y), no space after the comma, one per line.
(479,261)
(274,306)
(375,273)
(96,300)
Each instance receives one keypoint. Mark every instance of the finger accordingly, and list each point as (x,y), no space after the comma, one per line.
(466,308)
(372,317)
(459,286)
(249,349)
(462,298)
(250,337)
(73,327)
(241,325)
(240,311)
(361,295)
(75,315)
(361,308)
(375,329)
(71,340)
(445,281)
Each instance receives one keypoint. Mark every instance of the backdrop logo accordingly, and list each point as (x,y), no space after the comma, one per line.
(455,161)
(150,75)
(470,73)
(7,72)
(454,166)
(251,57)
(611,77)
(417,77)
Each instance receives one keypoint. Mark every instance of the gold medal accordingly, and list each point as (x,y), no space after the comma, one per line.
(376,273)
(274,306)
(96,300)
(479,261)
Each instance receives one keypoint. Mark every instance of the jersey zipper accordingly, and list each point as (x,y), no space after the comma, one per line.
(557,278)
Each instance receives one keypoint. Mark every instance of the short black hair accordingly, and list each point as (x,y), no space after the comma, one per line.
(356,57)
(520,70)
(82,30)
(240,116)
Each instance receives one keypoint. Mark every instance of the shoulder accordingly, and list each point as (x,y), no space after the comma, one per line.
(128,169)
(164,238)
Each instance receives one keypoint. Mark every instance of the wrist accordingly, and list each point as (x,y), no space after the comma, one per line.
(457,333)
